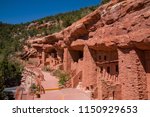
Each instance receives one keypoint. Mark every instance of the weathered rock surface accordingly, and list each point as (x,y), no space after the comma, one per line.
(121,24)
(110,48)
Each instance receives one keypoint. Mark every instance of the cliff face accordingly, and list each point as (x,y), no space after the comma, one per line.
(107,52)
(120,24)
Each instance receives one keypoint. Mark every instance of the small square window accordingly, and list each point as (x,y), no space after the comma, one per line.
(100,57)
(105,58)
(108,69)
(91,86)
(117,69)
(101,69)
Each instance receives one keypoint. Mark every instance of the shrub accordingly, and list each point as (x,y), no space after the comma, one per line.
(33,88)
(63,79)
(105,1)
(11,72)
(1,87)
(10,75)
(63,76)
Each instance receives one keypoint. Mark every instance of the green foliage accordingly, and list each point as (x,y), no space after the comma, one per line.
(12,38)
(9,43)
(33,88)
(1,87)
(10,72)
(10,75)
(63,76)
(63,79)
(105,1)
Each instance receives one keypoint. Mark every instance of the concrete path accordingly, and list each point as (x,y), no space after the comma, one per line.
(52,91)
(51,82)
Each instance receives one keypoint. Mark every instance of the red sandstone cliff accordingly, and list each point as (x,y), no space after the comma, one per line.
(121,24)
(107,52)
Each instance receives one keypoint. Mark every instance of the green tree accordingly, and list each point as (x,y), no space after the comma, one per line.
(105,1)
(10,72)
(1,87)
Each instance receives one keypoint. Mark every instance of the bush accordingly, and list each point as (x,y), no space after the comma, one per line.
(33,88)
(11,72)
(105,1)
(63,77)
(1,87)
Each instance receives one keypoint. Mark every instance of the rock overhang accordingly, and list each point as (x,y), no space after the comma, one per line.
(113,25)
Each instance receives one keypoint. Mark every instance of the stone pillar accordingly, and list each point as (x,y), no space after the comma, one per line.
(132,75)
(67,60)
(89,68)
(60,55)
(43,57)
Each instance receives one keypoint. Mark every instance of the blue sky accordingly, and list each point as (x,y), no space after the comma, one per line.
(20,11)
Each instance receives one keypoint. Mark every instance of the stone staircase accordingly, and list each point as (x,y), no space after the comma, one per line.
(26,55)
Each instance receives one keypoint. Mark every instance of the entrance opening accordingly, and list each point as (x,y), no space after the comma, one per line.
(105,58)
(113,93)
(54,53)
(101,69)
(117,69)
(108,69)
(76,55)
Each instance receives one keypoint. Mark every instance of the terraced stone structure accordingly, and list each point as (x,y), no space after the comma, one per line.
(107,52)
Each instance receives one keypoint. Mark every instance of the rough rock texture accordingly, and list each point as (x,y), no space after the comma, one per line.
(132,74)
(90,68)
(112,44)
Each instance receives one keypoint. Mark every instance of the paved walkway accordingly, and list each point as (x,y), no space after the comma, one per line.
(52,91)
(50,82)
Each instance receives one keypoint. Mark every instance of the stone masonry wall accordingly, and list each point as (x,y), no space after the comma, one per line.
(118,30)
(147,67)
(89,68)
(132,75)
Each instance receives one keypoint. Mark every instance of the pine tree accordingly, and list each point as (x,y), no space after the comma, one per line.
(105,1)
(1,87)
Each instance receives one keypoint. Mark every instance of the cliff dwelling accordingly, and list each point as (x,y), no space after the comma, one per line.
(106,53)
